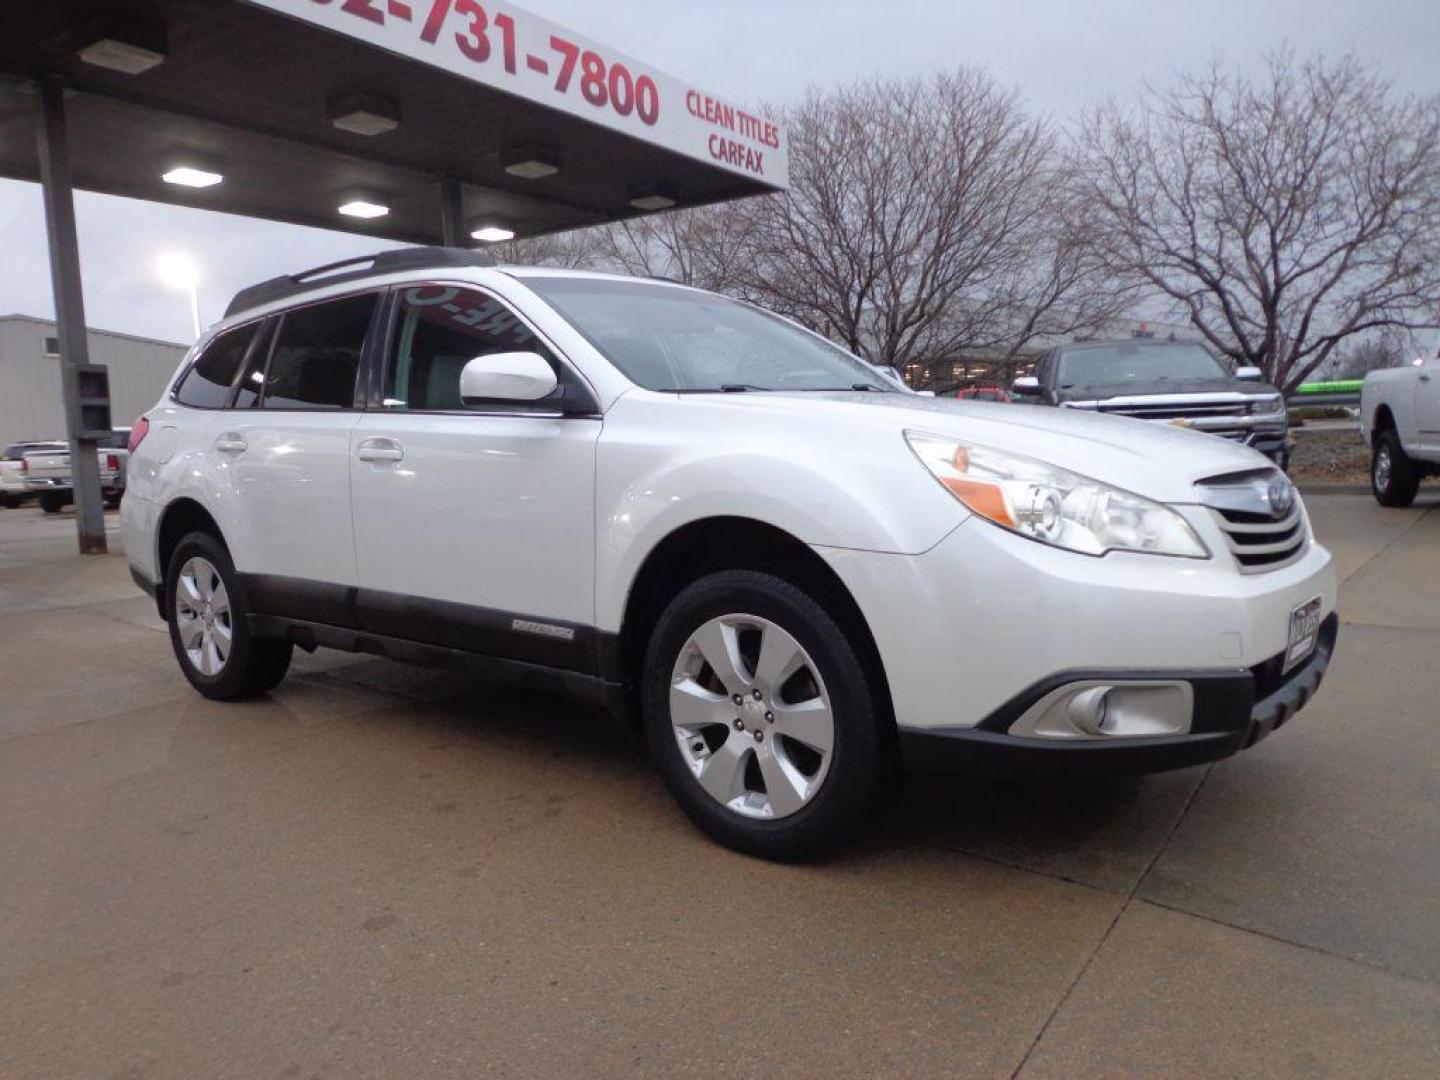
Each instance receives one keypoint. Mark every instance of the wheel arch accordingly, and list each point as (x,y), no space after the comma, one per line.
(1384,421)
(711,544)
(180,518)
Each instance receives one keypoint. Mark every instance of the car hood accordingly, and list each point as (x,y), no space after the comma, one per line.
(1156,460)
(1158,388)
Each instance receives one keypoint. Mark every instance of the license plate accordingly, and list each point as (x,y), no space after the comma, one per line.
(1304,632)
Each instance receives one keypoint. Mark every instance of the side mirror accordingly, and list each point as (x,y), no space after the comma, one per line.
(1250,374)
(1026,386)
(511,376)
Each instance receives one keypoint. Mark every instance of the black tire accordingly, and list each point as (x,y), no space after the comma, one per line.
(253,665)
(112,502)
(9,502)
(1394,478)
(859,765)
(52,502)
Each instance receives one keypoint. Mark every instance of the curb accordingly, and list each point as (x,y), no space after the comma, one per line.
(1321,487)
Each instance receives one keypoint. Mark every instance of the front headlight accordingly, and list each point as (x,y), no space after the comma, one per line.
(1053,505)
(1269,407)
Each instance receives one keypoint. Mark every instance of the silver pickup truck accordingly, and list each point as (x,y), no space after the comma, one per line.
(13,491)
(46,473)
(1400,419)
(1171,382)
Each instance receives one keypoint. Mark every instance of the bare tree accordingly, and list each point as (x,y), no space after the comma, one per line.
(705,247)
(924,218)
(1282,215)
(579,249)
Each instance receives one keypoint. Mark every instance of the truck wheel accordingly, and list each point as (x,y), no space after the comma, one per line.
(205,608)
(52,502)
(1393,476)
(761,717)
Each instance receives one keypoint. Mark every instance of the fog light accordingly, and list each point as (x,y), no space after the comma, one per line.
(1089,709)
(1092,709)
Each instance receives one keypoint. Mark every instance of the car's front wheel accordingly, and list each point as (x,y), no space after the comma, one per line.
(761,716)
(208,629)
(1393,476)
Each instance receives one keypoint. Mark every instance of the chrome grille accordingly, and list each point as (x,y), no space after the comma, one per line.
(1176,411)
(1262,533)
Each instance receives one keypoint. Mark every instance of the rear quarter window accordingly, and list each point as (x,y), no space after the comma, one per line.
(207,384)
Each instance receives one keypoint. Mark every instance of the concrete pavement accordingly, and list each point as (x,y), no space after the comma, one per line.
(381,871)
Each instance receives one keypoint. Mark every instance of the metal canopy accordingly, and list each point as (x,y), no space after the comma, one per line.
(452,114)
(249,87)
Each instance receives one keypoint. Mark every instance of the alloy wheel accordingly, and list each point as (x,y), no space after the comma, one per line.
(203,616)
(751,715)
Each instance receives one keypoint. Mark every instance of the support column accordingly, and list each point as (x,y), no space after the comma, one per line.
(452,213)
(59,194)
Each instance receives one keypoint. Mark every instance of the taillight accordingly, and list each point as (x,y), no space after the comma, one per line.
(137,435)
(112,462)
(24,465)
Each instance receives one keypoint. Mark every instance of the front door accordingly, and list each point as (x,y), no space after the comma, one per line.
(474,527)
(1427,408)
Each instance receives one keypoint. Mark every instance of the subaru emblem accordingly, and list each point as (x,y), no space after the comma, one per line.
(1281,496)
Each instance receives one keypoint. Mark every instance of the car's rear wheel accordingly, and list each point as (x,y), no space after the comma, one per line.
(1394,478)
(53,502)
(761,717)
(205,607)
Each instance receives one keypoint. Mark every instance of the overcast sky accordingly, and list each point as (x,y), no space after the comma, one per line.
(1060,55)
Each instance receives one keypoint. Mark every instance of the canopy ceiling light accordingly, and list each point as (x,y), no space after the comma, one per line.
(364,114)
(493,233)
(193,170)
(531,162)
(365,207)
(653,197)
(124,45)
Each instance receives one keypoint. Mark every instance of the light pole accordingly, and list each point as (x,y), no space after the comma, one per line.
(178,271)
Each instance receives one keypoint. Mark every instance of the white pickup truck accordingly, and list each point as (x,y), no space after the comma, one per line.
(13,491)
(1400,419)
(46,473)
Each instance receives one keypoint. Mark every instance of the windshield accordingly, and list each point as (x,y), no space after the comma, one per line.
(674,340)
(1116,365)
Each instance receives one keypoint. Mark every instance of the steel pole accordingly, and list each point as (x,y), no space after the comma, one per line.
(195,308)
(452,213)
(57,186)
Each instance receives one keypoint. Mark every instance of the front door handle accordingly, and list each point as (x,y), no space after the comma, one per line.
(380,449)
(230,443)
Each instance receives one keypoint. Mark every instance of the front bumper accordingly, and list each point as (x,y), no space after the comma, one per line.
(1231,713)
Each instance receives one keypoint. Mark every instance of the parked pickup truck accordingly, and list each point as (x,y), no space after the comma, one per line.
(47,473)
(1173,382)
(1400,419)
(12,477)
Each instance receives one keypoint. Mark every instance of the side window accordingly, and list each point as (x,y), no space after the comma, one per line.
(316,355)
(207,384)
(441,328)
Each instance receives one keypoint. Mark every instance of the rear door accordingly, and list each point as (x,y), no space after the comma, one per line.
(474,527)
(284,450)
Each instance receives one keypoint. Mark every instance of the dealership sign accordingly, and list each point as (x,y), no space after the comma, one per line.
(504,47)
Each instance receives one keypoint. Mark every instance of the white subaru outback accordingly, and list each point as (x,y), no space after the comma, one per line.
(794,575)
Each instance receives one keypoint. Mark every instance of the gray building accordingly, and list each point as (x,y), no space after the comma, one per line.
(30,406)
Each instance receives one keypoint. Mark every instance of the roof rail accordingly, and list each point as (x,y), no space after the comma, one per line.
(384,262)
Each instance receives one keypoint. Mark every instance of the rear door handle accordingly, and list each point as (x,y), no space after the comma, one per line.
(230,443)
(380,449)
